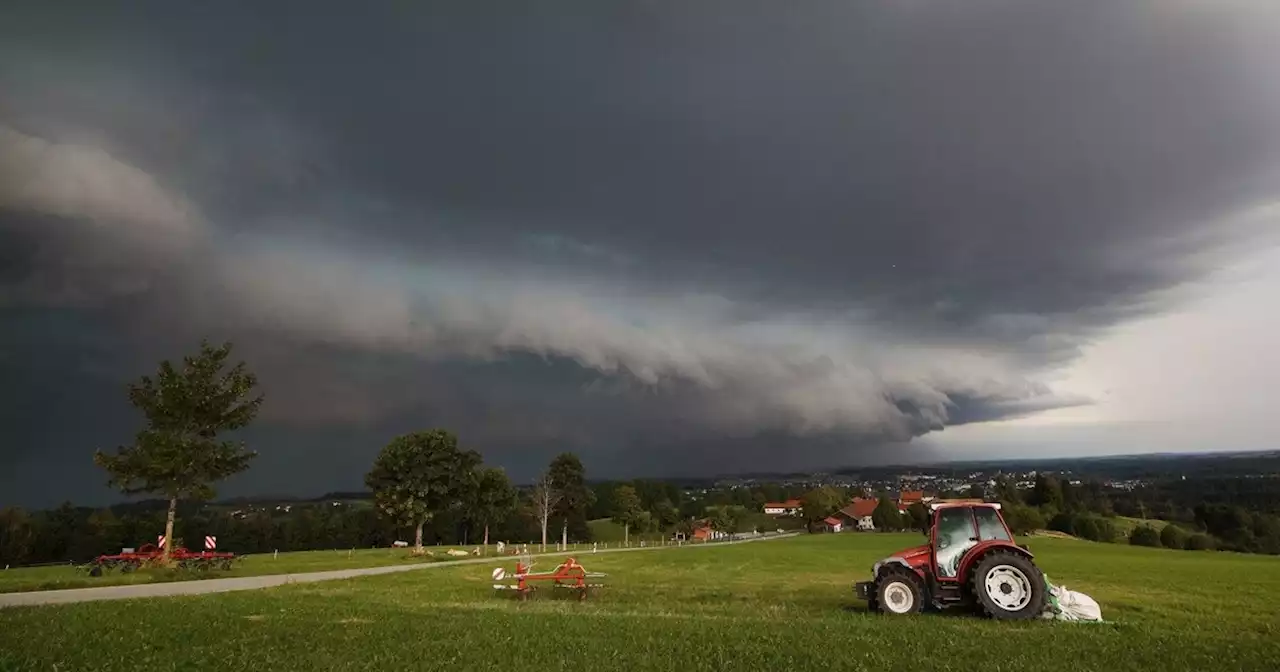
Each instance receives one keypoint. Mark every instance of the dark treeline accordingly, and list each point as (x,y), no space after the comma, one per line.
(79,534)
(339,520)
(1234,514)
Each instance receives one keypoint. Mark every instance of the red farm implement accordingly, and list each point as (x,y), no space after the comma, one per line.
(149,555)
(567,575)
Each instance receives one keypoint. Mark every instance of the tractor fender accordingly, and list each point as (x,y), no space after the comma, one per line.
(977,553)
(891,560)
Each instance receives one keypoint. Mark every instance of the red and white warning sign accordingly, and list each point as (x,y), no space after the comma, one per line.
(160,541)
(210,542)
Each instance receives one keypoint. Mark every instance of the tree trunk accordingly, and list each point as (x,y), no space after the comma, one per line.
(626,534)
(486,538)
(168,531)
(564,535)
(544,534)
(417,538)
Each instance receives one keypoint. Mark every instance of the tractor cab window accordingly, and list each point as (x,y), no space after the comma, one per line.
(955,536)
(989,526)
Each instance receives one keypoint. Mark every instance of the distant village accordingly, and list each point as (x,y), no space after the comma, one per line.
(904,489)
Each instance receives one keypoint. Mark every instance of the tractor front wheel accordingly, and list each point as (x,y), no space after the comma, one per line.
(899,591)
(1008,586)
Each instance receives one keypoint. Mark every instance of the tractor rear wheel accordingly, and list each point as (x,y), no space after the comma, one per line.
(898,591)
(1008,586)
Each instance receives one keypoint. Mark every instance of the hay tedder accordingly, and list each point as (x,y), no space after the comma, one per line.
(149,555)
(567,575)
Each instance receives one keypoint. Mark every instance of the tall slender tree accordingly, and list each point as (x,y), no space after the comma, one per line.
(626,509)
(179,455)
(545,500)
(493,500)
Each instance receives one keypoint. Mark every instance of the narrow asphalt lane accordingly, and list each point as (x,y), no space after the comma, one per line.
(205,586)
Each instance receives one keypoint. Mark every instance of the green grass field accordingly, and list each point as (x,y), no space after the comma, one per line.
(1125,525)
(773,605)
(65,576)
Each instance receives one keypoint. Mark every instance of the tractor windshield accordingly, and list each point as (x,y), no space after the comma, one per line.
(990,528)
(955,536)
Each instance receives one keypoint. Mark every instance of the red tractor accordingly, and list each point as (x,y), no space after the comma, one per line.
(971,560)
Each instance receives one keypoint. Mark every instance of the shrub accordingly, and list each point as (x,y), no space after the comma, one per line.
(1106,529)
(1023,519)
(1144,535)
(1087,528)
(1173,536)
(1199,542)
(1063,522)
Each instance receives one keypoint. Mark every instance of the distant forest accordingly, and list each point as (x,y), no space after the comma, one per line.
(1228,502)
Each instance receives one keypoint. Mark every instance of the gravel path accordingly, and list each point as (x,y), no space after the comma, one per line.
(204,586)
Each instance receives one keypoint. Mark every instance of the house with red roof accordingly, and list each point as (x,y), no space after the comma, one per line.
(791,507)
(857,514)
(908,497)
(702,531)
(833,523)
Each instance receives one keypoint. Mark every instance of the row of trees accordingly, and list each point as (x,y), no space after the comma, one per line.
(68,533)
(179,455)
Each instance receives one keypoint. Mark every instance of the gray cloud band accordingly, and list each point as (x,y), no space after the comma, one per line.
(901,225)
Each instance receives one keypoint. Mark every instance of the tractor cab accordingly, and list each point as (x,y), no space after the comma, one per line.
(970,558)
(958,528)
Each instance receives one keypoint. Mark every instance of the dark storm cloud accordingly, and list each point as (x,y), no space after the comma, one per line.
(667,236)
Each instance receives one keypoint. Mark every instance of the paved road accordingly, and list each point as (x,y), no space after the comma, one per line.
(251,582)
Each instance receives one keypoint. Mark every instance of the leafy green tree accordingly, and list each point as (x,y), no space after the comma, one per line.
(17,534)
(819,503)
(917,516)
(1023,519)
(1047,492)
(1006,491)
(567,478)
(645,522)
(665,513)
(493,500)
(885,516)
(421,475)
(179,454)
(1144,535)
(626,509)
(1173,536)
(725,519)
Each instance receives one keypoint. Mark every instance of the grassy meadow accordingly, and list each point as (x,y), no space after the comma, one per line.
(772,605)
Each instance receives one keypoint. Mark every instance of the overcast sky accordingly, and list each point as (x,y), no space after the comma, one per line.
(676,238)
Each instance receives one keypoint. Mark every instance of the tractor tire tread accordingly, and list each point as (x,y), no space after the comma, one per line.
(1039,594)
(907,576)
